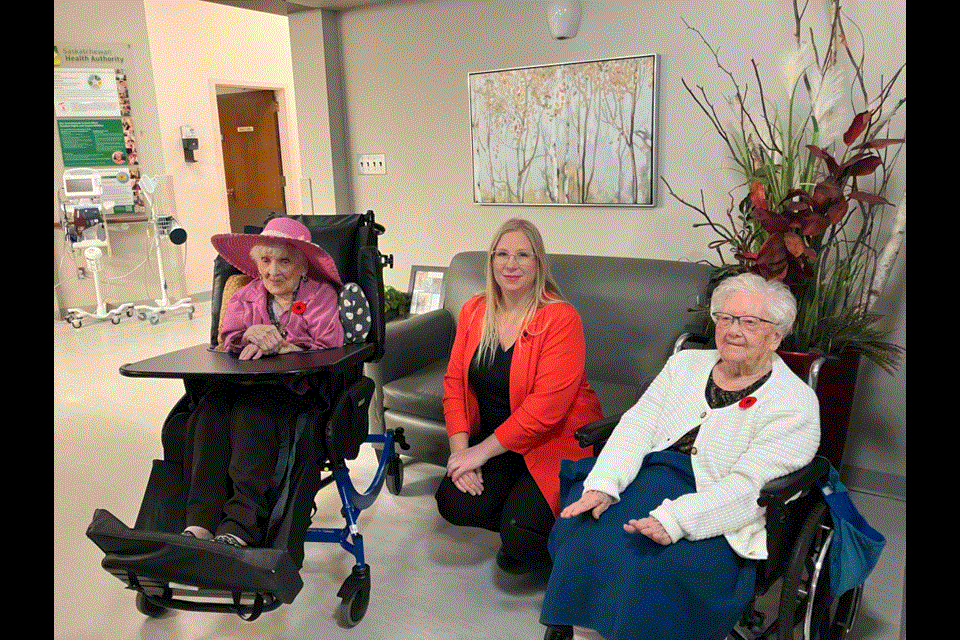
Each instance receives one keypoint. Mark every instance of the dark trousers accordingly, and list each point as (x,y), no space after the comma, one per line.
(511,503)
(232,454)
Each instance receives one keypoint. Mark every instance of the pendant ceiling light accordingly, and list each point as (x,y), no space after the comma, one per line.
(563,16)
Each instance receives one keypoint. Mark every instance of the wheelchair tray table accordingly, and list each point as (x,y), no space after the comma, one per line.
(152,561)
(201,361)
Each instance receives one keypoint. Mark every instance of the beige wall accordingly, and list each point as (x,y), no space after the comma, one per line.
(180,51)
(403,74)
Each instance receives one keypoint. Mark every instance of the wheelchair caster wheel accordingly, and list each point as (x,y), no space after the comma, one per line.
(148,608)
(355,594)
(394,478)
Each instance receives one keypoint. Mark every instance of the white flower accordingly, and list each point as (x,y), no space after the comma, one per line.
(795,64)
(826,95)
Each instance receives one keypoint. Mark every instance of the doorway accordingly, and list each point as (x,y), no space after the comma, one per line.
(250,130)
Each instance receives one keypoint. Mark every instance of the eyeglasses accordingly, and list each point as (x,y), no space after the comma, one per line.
(747,323)
(522,258)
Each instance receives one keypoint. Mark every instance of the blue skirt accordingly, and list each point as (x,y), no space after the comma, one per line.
(628,587)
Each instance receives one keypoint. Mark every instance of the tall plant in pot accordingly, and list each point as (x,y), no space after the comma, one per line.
(811,210)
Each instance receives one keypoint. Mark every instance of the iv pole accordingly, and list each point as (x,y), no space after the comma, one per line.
(163,226)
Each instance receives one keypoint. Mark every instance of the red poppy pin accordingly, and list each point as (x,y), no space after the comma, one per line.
(747,402)
(298,307)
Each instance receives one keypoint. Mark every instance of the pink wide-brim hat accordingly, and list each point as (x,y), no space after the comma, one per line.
(235,249)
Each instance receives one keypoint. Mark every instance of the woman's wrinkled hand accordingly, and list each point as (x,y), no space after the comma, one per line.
(649,527)
(251,352)
(594,501)
(265,336)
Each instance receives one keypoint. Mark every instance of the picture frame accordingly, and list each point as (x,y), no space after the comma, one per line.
(426,288)
(571,134)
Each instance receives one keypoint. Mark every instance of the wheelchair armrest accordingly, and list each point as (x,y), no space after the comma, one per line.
(781,490)
(685,339)
(597,432)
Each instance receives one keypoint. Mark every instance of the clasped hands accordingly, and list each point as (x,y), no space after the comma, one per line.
(264,340)
(464,463)
(597,502)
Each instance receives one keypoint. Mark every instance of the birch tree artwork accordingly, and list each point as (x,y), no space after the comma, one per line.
(570,134)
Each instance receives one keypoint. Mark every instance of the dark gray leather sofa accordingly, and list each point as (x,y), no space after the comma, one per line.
(633,312)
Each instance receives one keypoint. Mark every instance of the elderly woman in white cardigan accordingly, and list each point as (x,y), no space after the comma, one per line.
(659,535)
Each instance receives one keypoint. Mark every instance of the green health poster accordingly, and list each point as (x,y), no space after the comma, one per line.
(95,142)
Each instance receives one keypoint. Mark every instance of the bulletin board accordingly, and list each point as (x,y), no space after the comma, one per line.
(93,119)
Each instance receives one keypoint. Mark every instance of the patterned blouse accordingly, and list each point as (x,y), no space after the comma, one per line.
(716,399)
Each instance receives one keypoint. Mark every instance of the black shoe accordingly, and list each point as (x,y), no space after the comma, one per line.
(510,564)
(558,632)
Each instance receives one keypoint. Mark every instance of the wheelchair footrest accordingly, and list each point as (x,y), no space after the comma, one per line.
(154,558)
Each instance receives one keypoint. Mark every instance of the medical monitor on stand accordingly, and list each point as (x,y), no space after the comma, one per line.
(82,218)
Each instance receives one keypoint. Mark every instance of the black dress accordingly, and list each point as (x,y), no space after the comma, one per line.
(511,502)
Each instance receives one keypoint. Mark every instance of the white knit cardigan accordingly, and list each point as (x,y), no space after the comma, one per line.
(738,448)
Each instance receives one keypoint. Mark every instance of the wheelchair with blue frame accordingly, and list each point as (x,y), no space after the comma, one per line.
(171,571)
(800,530)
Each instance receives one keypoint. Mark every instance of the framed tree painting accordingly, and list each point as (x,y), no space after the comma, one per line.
(580,133)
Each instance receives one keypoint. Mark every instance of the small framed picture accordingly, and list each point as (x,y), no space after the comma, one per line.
(426,288)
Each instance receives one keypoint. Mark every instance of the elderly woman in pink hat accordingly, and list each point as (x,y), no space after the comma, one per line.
(291,305)
(233,434)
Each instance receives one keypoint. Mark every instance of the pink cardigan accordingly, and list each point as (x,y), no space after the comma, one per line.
(550,397)
(318,327)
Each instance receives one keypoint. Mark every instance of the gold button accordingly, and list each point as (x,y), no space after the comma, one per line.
(693,451)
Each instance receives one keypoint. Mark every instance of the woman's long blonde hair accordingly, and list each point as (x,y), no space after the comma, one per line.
(544,290)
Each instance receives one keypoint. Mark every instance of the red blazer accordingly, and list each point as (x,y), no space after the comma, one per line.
(549,393)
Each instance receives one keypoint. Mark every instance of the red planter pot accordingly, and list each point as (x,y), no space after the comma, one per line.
(835,387)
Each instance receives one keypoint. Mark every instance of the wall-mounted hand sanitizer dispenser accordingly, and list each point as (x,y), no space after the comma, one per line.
(190,142)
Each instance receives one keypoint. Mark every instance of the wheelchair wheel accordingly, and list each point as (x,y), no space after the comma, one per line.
(394,477)
(808,610)
(148,608)
(355,594)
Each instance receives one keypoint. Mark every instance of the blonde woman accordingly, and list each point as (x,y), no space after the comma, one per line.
(515,392)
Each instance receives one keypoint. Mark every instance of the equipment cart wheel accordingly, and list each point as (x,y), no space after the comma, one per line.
(148,608)
(394,477)
(355,594)
(808,610)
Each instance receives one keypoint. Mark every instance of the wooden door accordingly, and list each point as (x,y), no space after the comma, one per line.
(251,157)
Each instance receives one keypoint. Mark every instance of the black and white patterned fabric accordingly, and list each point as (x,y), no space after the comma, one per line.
(354,314)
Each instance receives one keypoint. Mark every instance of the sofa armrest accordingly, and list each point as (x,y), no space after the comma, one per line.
(411,344)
